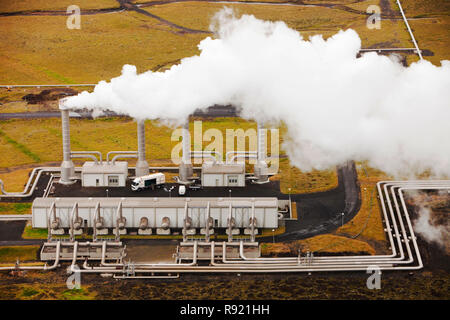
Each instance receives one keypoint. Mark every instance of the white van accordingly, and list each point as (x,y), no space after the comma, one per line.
(149,181)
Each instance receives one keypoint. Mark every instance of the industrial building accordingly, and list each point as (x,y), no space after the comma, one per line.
(163,215)
(112,173)
(223,175)
(104,174)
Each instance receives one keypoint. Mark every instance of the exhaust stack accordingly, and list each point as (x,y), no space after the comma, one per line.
(260,168)
(67,166)
(142,168)
(185,170)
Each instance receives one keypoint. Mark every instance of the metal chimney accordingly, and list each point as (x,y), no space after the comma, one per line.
(262,142)
(67,166)
(185,169)
(260,168)
(142,168)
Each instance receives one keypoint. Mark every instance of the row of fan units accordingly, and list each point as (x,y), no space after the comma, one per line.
(155,212)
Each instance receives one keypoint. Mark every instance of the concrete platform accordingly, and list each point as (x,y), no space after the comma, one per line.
(186,249)
(91,252)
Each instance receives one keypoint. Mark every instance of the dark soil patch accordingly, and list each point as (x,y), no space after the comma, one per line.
(49,95)
(11,230)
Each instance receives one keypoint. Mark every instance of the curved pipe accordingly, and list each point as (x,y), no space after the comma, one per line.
(120,152)
(215,155)
(113,161)
(249,156)
(98,153)
(90,156)
(201,156)
(227,155)
(23,194)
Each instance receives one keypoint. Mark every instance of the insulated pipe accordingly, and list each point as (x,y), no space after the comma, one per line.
(113,161)
(91,153)
(75,252)
(51,218)
(67,166)
(376,257)
(208,217)
(252,223)
(120,221)
(208,154)
(341,258)
(201,156)
(254,156)
(23,194)
(72,215)
(409,30)
(227,155)
(426,186)
(97,219)
(119,152)
(230,223)
(185,221)
(90,156)
(14,194)
(146,277)
(142,168)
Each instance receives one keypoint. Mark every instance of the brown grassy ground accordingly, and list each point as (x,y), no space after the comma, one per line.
(51,286)
(104,43)
(35,5)
(322,243)
(304,182)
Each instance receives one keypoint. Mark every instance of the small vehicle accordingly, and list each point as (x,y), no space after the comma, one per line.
(181,190)
(195,187)
(155,180)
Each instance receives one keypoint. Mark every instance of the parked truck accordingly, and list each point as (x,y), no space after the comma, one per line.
(155,180)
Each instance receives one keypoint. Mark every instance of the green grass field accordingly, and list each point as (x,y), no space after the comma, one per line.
(23,253)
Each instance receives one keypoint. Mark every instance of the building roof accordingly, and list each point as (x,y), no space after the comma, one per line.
(174,202)
(218,168)
(117,167)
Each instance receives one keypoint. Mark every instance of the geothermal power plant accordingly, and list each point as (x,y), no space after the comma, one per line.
(217,214)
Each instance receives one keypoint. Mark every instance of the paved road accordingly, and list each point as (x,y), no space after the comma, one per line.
(14,217)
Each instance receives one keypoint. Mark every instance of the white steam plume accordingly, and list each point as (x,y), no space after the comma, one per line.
(430,232)
(337,107)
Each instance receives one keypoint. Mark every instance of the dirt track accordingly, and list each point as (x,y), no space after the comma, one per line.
(129,5)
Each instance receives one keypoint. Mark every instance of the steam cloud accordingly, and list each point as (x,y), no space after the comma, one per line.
(337,107)
(430,232)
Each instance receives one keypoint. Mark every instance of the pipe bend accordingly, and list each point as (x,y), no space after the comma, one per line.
(90,156)
(119,152)
(113,161)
